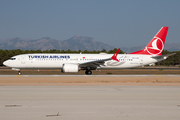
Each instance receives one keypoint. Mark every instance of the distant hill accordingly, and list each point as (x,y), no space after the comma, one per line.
(172,47)
(75,43)
(169,47)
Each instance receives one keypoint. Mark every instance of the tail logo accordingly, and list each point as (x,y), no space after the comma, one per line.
(155,47)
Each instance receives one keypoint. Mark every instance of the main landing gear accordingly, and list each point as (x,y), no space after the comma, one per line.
(88,72)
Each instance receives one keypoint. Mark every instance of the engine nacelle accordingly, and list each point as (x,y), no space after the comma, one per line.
(70,68)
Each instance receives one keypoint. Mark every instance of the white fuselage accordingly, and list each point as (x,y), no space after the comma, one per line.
(56,61)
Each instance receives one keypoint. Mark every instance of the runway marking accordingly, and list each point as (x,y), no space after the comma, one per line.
(18,75)
(158,75)
(53,115)
(12,105)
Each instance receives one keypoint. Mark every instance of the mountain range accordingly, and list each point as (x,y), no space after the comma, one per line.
(75,43)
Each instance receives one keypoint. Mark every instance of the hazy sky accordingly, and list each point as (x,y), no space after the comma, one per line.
(121,23)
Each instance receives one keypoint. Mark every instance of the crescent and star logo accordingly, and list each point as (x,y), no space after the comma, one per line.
(155,47)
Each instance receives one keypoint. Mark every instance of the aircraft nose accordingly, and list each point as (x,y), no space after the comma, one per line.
(5,63)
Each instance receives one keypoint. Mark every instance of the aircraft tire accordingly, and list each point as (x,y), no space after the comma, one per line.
(88,72)
(19,72)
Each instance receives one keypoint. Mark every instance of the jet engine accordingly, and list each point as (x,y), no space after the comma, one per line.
(70,68)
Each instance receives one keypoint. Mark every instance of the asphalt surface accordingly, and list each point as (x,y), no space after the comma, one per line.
(90,102)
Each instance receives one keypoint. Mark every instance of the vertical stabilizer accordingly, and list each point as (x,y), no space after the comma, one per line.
(156,45)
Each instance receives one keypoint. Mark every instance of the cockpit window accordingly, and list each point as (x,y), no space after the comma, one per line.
(12,58)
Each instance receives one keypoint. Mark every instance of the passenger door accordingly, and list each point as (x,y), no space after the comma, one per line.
(23,60)
(141,60)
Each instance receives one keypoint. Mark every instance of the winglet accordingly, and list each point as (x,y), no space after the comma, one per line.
(114,57)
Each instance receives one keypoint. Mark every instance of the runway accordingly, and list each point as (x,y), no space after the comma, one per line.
(136,71)
(145,75)
(90,102)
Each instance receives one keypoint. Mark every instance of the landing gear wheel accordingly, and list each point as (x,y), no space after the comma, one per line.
(88,72)
(19,72)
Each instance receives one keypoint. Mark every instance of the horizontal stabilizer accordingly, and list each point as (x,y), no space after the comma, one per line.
(163,56)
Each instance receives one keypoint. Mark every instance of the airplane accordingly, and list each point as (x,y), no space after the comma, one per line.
(69,63)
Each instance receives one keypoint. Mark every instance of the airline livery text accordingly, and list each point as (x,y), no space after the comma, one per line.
(49,56)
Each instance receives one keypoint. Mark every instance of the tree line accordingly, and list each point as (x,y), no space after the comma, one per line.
(7,54)
(172,60)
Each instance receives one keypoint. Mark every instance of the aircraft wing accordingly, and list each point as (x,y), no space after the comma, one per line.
(97,63)
(163,56)
(94,63)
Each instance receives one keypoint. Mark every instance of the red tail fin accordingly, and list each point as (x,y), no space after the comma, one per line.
(156,45)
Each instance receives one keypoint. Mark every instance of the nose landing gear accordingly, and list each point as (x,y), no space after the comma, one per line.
(19,72)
